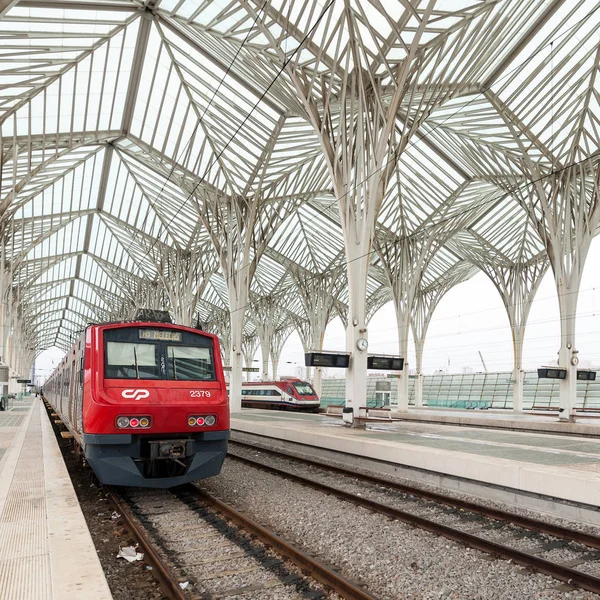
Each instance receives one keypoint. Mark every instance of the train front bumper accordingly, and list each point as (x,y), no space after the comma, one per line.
(133,460)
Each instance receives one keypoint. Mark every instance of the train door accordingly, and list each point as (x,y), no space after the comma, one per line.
(58,394)
(69,391)
(79,394)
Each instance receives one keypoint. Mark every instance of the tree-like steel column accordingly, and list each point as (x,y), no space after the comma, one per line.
(425,303)
(184,275)
(240,229)
(361,139)
(267,314)
(318,293)
(565,209)
(517,284)
(249,348)
(279,338)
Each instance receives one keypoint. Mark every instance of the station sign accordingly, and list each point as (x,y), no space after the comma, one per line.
(244,369)
(23,380)
(385,363)
(327,359)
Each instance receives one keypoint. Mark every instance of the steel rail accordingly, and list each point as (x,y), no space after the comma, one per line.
(571,535)
(317,570)
(541,565)
(162,572)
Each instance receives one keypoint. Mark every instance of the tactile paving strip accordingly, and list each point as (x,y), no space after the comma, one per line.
(24,560)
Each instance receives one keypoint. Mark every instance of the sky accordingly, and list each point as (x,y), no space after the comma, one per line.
(471,318)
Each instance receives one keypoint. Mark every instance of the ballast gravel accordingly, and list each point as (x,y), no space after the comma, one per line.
(394,560)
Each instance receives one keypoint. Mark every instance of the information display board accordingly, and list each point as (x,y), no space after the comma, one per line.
(552,373)
(327,359)
(585,375)
(385,363)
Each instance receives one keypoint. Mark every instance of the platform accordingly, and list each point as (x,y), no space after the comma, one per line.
(559,474)
(46,551)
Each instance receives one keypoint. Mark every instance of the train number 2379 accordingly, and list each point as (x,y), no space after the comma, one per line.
(199,394)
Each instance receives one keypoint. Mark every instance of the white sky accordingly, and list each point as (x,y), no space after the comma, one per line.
(471,317)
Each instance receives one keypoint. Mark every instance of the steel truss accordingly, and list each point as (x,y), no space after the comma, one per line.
(262,166)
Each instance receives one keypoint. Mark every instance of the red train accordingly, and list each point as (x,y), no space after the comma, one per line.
(286,394)
(146,401)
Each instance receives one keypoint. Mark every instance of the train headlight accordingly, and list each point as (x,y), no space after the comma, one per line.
(202,420)
(122,422)
(133,422)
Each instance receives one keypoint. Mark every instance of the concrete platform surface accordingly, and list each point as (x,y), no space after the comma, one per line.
(554,466)
(46,551)
(539,422)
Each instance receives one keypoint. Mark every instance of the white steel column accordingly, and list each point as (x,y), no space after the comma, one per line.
(568,355)
(361,151)
(518,334)
(419,346)
(249,346)
(236,355)
(565,208)
(279,338)
(403,319)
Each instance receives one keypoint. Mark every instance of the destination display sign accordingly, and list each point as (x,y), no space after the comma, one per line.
(160,334)
(385,363)
(326,359)
(552,373)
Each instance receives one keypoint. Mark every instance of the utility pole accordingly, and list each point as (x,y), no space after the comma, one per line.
(482,361)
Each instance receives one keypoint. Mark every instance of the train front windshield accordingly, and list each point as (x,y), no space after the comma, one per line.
(145,353)
(304,389)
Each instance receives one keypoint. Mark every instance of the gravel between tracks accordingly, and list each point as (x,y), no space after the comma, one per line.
(395,560)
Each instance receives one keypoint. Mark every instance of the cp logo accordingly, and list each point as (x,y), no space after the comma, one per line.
(135,394)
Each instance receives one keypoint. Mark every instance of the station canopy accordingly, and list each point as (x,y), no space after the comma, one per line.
(122,119)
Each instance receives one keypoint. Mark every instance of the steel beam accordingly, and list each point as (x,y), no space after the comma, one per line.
(137,66)
(6,5)
(522,43)
(219,63)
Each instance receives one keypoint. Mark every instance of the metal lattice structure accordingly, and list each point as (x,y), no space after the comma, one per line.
(258,164)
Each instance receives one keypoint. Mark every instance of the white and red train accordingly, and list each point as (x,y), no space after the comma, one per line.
(286,394)
(146,401)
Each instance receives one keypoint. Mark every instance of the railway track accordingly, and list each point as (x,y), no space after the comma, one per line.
(506,535)
(189,535)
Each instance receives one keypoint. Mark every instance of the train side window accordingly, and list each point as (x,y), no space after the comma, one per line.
(81,360)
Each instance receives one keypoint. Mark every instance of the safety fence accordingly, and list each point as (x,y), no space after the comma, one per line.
(469,390)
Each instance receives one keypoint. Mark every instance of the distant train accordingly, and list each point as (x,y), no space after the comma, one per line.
(146,401)
(286,394)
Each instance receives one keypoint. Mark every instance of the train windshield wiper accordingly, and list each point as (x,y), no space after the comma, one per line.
(174,366)
(137,371)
